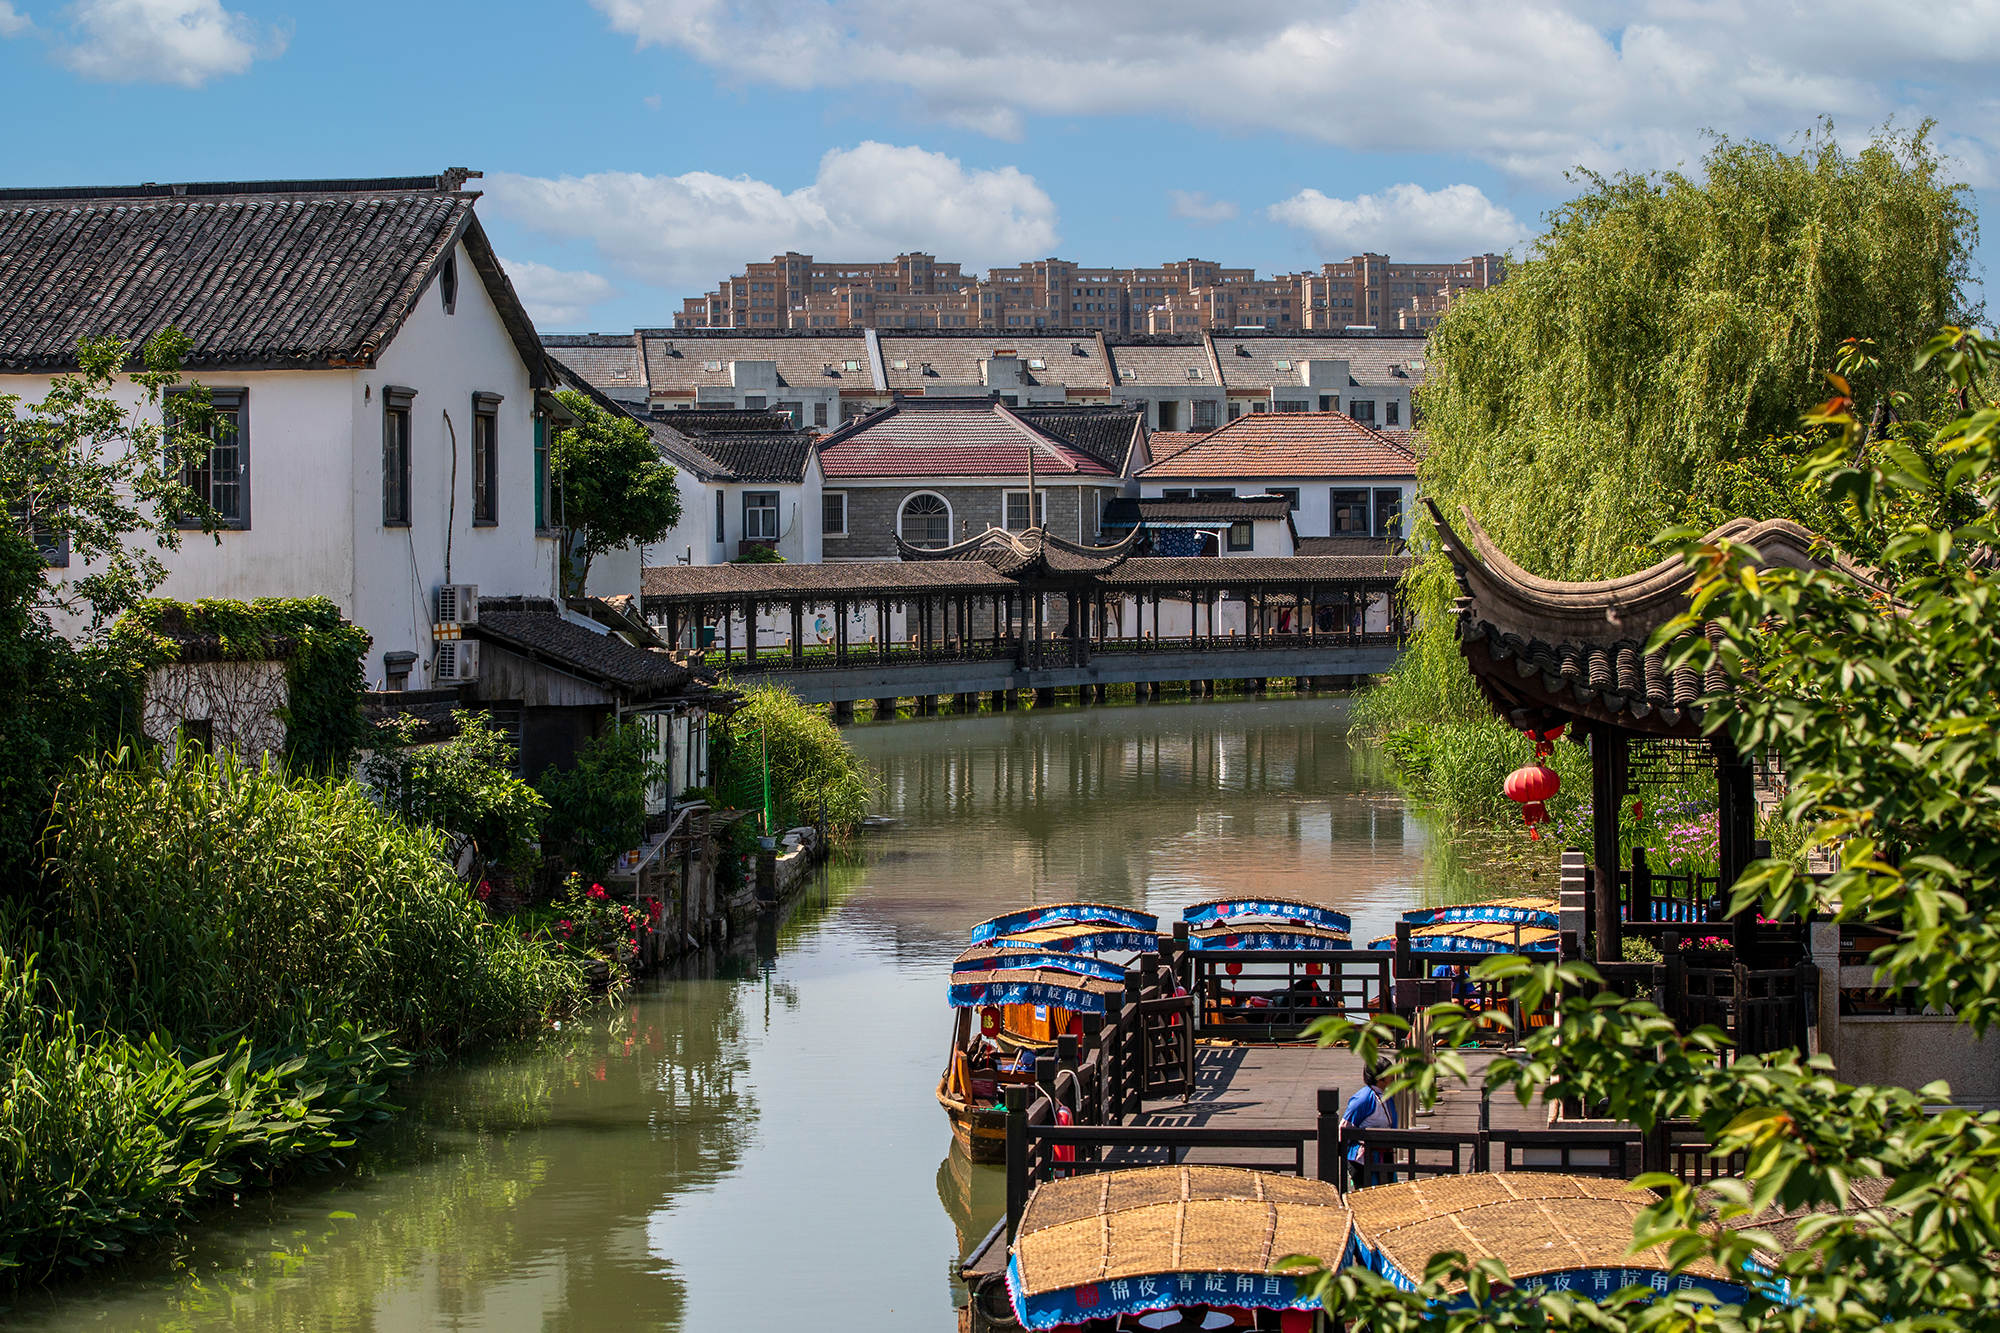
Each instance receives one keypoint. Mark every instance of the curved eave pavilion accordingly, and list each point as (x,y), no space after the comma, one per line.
(1546,653)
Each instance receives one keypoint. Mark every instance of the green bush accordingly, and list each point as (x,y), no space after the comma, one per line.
(597,808)
(1460,768)
(105,1141)
(214,898)
(461,786)
(812,765)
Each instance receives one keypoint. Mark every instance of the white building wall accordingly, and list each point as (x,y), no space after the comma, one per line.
(1314,516)
(315,456)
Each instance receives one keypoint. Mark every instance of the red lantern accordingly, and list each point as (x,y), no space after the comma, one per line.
(989,1022)
(1533,786)
(1233,969)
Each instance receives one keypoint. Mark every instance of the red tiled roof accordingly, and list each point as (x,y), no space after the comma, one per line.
(1167,443)
(1289,444)
(919,440)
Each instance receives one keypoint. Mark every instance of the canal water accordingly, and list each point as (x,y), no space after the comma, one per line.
(754,1144)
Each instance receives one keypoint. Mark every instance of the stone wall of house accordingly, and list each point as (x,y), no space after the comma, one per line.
(872,513)
(232,704)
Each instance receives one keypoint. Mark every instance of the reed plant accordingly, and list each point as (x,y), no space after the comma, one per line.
(813,768)
(218,898)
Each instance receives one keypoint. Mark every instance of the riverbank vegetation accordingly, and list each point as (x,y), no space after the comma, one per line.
(815,776)
(1647,365)
(210,972)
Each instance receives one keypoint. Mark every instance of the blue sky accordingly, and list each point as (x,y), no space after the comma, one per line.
(637,149)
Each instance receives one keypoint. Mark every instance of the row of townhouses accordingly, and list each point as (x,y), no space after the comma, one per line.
(387,408)
(1365,293)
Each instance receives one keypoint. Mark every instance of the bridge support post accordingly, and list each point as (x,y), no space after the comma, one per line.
(1002,699)
(1258,684)
(927,705)
(885,708)
(966,703)
(843,710)
(1044,697)
(1103,692)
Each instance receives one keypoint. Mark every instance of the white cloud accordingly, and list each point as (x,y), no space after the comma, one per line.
(556,296)
(1533,87)
(187,42)
(1196,207)
(12,22)
(867,201)
(1406,220)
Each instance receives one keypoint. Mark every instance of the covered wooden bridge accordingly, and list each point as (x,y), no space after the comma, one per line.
(1008,611)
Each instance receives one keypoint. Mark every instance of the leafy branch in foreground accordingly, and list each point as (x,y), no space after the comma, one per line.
(1858,1207)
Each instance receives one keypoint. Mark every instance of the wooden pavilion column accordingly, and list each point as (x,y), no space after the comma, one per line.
(798,632)
(840,630)
(1736,830)
(1610,751)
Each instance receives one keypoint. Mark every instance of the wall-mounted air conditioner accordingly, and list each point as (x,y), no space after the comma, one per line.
(457,604)
(457,660)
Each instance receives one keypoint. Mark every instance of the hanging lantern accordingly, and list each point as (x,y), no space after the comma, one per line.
(989,1022)
(1533,786)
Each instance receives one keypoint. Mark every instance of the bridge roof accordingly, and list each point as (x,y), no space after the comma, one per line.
(860,578)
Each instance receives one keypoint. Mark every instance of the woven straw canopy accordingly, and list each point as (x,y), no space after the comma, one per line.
(1534,1223)
(1173,1219)
(1217,937)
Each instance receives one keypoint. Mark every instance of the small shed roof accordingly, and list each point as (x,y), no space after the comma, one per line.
(1195,571)
(532,627)
(1288,444)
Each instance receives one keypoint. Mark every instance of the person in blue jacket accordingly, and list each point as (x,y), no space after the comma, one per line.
(1368,1108)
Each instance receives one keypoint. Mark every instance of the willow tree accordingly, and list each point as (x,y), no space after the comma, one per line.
(1668,322)
(1649,362)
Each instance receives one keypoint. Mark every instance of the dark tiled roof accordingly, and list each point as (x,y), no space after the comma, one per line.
(1109,434)
(727,420)
(1551,651)
(608,360)
(1243,509)
(1288,444)
(531,627)
(305,274)
(1252,362)
(775,456)
(1072,360)
(686,583)
(915,438)
(678,360)
(1209,571)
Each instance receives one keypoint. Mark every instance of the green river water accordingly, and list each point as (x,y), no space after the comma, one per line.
(752,1142)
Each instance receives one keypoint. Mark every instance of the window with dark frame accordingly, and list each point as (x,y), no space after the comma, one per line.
(448,283)
(721,515)
(1389,511)
(396,404)
(925,521)
(833,513)
(760,516)
(1394,410)
(1363,411)
(1243,536)
(1291,494)
(819,414)
(220,474)
(485,459)
(1348,515)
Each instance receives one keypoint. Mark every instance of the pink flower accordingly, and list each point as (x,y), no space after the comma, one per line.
(485,890)
(597,891)
(566,927)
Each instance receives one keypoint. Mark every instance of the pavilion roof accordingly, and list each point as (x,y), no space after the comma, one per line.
(1037,552)
(1545,651)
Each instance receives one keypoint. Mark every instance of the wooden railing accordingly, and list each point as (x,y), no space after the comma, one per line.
(1276,993)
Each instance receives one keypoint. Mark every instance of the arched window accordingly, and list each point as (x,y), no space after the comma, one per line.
(925,520)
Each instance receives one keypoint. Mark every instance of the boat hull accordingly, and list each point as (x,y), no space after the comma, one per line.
(980,1130)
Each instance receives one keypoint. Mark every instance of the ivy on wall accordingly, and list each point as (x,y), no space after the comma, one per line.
(322,653)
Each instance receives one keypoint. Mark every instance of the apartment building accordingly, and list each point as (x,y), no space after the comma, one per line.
(919,291)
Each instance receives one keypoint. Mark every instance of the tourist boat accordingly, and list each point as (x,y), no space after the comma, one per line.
(1029,976)
(1555,1233)
(1241,925)
(1169,1247)
(1501,925)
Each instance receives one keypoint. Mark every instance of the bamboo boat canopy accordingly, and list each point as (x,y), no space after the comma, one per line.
(1218,910)
(1064,914)
(1171,1237)
(1258,935)
(1477,937)
(1554,1232)
(1527,911)
(1080,938)
(989,957)
(1035,985)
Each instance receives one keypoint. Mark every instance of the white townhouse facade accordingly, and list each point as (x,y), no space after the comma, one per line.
(384,395)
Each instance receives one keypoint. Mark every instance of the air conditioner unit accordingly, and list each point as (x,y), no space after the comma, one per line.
(457,604)
(457,660)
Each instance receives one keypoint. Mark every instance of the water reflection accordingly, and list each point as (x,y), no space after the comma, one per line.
(753,1142)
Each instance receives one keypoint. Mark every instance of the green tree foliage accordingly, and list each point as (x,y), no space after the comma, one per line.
(1882,695)
(597,808)
(1648,364)
(615,486)
(1667,322)
(464,786)
(83,470)
(811,762)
